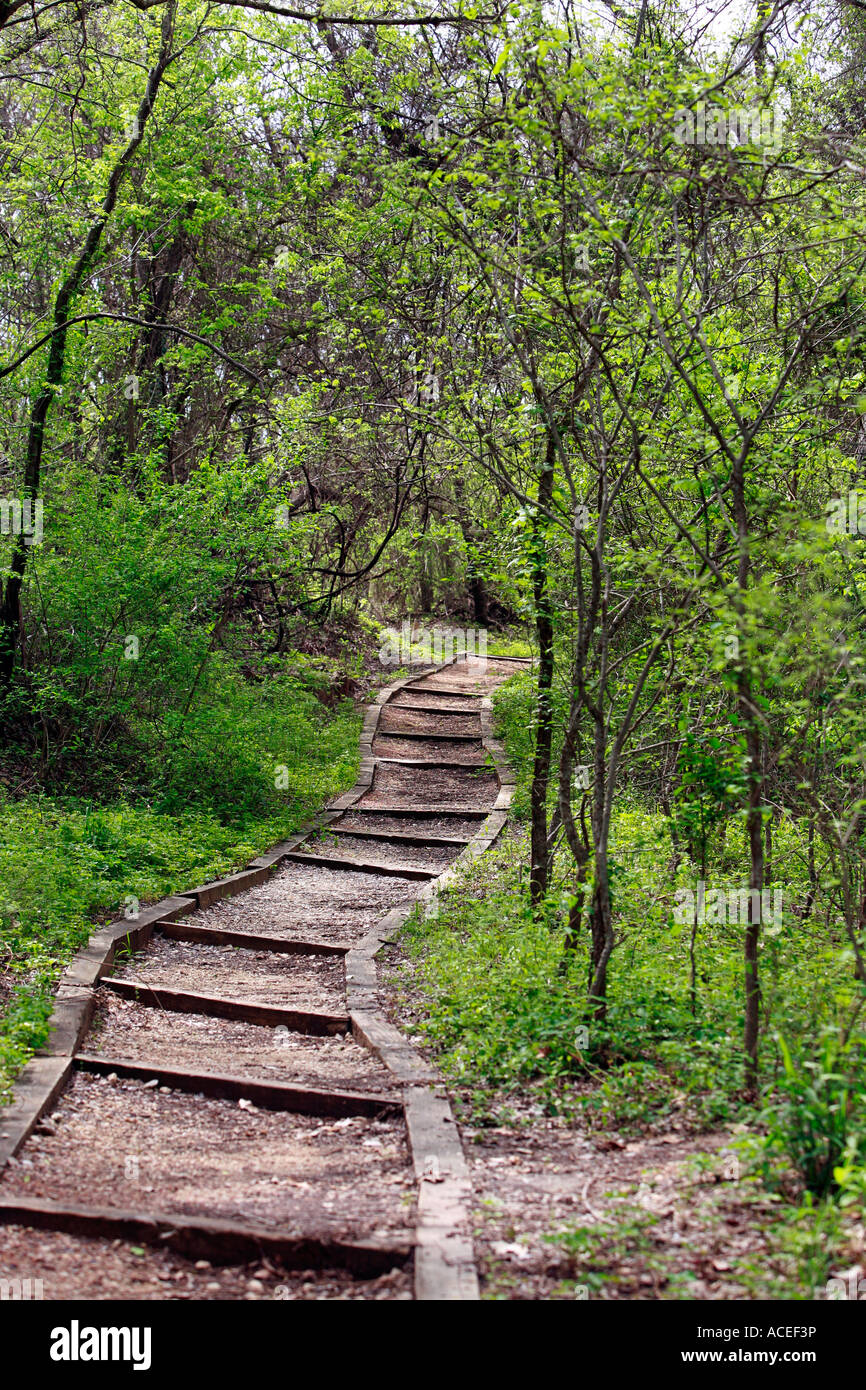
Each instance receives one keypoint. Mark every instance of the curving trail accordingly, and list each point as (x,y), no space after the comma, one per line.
(224,1111)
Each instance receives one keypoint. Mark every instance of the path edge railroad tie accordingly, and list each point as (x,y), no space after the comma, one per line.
(444,1258)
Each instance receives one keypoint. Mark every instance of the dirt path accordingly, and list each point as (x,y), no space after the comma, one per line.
(233,1122)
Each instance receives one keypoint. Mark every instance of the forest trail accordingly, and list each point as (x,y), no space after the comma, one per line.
(224,1111)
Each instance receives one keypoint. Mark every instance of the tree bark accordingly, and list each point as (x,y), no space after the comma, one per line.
(540,870)
(748,717)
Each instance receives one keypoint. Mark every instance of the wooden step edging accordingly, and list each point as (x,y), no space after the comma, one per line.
(386,868)
(449,692)
(378,808)
(400,837)
(221,1242)
(445,764)
(268,1095)
(247,941)
(436,709)
(428,738)
(185,1001)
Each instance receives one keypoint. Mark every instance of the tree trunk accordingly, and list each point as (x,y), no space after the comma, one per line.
(755,831)
(540,870)
(602,935)
(748,719)
(813,875)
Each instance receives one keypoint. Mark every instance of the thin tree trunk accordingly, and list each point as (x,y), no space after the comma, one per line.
(755,831)
(540,870)
(813,875)
(602,909)
(693,939)
(748,719)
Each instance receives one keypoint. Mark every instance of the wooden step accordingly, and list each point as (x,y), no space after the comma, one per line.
(248,941)
(221,1242)
(400,837)
(435,709)
(216,1006)
(448,691)
(269,1095)
(446,764)
(363,866)
(378,808)
(428,738)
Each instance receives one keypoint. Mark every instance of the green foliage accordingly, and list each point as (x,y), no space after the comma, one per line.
(513,707)
(317,368)
(499,1010)
(812,1117)
(709,789)
(505,1004)
(850,1178)
(791,1254)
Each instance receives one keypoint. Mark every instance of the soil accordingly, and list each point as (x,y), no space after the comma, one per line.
(408,721)
(130,1033)
(535,1181)
(412,825)
(562,1214)
(417,696)
(77,1267)
(412,786)
(432,752)
(307,903)
(132,1145)
(385,851)
(303,982)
